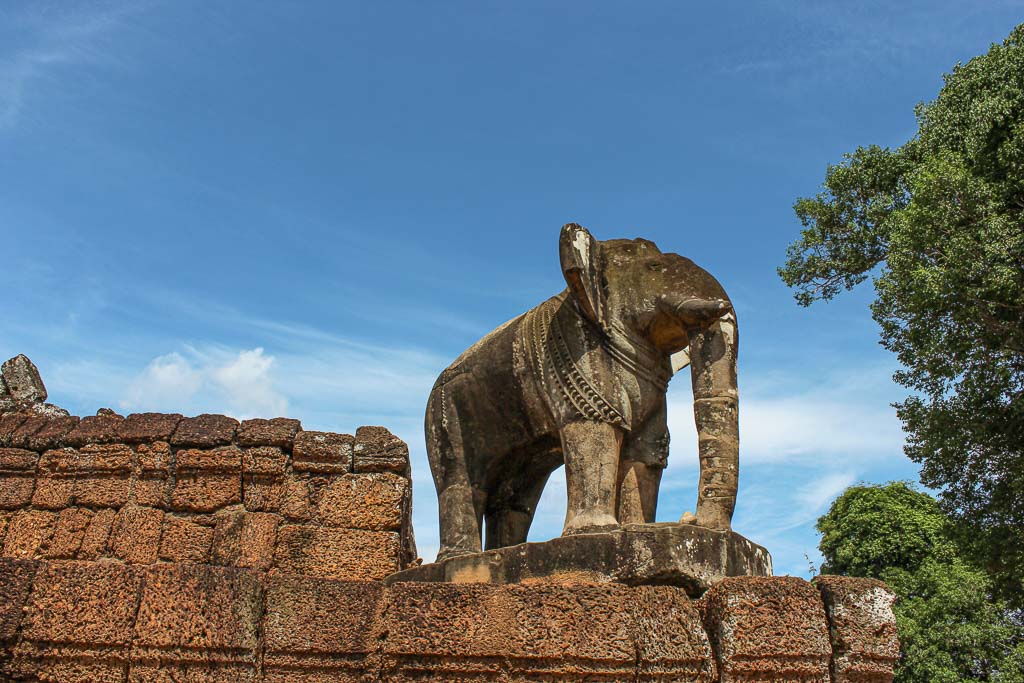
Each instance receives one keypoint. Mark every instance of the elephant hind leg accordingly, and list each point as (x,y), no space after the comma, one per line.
(509,520)
(460,505)
(516,490)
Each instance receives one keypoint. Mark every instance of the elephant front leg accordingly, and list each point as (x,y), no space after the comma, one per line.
(591,451)
(716,413)
(638,492)
(644,457)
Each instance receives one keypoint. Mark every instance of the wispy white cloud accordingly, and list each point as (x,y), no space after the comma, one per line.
(240,384)
(780,515)
(246,381)
(771,511)
(293,335)
(52,40)
(837,34)
(167,380)
(846,416)
(814,496)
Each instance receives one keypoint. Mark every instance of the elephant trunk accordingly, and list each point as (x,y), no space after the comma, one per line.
(713,352)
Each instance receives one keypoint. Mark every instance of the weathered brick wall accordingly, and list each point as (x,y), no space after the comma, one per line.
(154,488)
(74,621)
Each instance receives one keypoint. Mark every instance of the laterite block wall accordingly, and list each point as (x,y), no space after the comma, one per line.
(142,548)
(154,488)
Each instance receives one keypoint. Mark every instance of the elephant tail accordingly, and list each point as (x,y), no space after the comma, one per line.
(436,433)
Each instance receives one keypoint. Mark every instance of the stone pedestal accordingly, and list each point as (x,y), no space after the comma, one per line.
(664,554)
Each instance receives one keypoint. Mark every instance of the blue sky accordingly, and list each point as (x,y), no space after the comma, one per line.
(310,209)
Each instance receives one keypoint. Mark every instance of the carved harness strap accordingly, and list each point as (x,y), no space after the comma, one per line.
(638,356)
(551,356)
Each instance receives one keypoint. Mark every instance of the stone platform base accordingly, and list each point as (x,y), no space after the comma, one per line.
(72,621)
(663,554)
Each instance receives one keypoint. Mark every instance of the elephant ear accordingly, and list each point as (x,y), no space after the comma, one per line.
(580,254)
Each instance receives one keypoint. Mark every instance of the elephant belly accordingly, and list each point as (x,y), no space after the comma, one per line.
(488,411)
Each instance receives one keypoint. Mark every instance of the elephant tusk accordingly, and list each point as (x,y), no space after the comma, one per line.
(680,359)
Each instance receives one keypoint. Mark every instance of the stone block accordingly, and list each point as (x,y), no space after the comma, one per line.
(18,460)
(28,533)
(96,539)
(104,427)
(223,459)
(262,493)
(364,501)
(326,552)
(447,632)
(199,606)
(17,477)
(68,532)
(103,475)
(152,486)
(136,534)
(54,434)
(263,475)
(117,458)
(594,623)
(149,427)
(671,642)
(69,663)
(15,582)
(192,667)
(55,483)
(91,602)
(22,381)
(205,431)
(264,460)
(662,553)
(258,540)
(245,539)
(378,450)
(296,499)
(207,480)
(319,630)
(862,628)
(768,629)
(9,423)
(197,623)
(78,622)
(542,631)
(322,452)
(185,541)
(21,436)
(279,431)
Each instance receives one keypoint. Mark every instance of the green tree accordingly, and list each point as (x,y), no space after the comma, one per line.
(950,629)
(938,224)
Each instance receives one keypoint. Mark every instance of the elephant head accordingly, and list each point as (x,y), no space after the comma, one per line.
(630,289)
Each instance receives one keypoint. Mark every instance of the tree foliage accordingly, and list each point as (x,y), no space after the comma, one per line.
(938,224)
(950,629)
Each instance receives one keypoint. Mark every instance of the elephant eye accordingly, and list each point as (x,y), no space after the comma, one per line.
(655,267)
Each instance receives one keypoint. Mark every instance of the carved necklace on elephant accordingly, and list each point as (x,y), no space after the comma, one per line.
(549,351)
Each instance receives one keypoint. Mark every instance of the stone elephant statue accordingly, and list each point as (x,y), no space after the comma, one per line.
(580,380)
